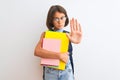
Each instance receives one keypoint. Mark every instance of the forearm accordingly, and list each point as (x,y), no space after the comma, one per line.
(46,54)
(52,55)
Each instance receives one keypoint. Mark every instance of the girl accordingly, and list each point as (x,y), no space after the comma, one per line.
(57,19)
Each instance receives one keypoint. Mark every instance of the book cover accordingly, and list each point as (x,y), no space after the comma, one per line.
(54,45)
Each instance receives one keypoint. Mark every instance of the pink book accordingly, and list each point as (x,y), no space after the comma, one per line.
(51,45)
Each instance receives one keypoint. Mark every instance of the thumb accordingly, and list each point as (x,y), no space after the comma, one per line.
(68,35)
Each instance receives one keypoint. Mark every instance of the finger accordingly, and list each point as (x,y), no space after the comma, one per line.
(80,28)
(71,25)
(77,26)
(65,58)
(74,24)
(67,53)
(68,35)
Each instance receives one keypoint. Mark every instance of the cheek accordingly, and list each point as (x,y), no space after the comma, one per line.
(54,23)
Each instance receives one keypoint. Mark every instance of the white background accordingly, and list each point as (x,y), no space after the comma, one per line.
(97,57)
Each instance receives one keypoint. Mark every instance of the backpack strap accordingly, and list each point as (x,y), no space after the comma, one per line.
(70,49)
(43,72)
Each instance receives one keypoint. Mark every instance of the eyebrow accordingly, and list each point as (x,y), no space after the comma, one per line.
(58,17)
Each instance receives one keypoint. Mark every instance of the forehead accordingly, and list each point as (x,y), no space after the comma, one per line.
(59,14)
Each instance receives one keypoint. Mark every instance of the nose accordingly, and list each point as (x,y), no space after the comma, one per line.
(59,21)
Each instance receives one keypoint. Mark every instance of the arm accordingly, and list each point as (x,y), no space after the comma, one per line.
(40,52)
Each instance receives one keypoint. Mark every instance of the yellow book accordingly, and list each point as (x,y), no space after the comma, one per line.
(64,44)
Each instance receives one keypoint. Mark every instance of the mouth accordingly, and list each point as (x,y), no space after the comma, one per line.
(60,25)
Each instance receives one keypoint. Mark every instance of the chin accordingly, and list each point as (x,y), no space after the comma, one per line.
(61,26)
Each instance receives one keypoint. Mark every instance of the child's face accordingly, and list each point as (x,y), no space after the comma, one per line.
(59,20)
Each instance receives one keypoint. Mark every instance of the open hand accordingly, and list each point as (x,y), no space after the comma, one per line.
(76,33)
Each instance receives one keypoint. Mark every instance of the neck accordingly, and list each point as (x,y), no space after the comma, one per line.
(58,30)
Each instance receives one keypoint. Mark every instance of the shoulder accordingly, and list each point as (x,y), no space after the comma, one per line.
(42,35)
(66,31)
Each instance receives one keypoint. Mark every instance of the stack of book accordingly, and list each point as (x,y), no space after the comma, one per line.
(56,42)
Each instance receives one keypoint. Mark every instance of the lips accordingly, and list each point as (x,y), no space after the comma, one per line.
(60,24)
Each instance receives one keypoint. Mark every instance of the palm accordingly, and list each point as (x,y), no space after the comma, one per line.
(76,33)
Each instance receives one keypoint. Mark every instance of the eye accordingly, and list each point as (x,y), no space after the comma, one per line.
(63,18)
(56,19)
